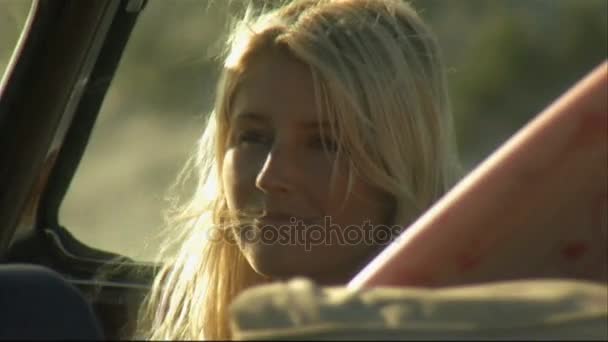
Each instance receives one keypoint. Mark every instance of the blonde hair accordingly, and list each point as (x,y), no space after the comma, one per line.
(378,78)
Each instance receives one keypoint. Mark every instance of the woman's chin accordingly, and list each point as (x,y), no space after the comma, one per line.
(322,264)
(277,261)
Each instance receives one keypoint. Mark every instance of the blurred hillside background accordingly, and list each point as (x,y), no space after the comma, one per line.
(507,59)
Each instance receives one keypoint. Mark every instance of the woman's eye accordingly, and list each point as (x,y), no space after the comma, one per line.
(252,137)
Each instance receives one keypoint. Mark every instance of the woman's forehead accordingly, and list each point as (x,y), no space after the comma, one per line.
(273,86)
(302,123)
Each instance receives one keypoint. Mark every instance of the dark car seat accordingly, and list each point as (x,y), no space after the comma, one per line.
(38,303)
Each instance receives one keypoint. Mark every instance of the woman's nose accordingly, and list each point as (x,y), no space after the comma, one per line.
(278,171)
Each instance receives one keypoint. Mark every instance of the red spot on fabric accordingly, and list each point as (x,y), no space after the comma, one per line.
(471,257)
(468,262)
(574,250)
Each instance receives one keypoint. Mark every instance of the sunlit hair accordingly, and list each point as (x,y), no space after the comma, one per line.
(378,80)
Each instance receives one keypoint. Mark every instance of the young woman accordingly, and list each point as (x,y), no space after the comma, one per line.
(331,120)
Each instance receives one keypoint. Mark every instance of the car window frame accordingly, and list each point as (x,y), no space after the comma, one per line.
(66,58)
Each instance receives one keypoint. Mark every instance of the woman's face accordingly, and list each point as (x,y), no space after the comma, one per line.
(276,169)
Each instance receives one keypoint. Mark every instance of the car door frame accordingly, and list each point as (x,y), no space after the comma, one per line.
(49,99)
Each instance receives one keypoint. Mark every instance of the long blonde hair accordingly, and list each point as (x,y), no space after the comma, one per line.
(378,77)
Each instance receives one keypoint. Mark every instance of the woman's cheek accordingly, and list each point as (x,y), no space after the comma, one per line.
(318,162)
(239,171)
(318,168)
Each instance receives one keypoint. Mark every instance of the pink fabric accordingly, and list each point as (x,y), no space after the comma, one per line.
(536,208)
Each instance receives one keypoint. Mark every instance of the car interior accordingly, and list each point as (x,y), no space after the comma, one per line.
(49,103)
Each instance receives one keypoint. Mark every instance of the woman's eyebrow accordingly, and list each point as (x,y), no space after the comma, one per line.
(313,124)
(252,116)
(261,118)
